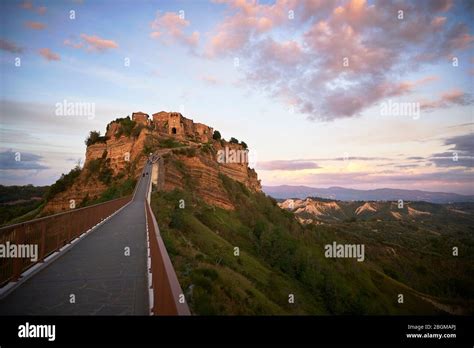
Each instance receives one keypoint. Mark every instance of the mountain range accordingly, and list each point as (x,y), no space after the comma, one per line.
(347,194)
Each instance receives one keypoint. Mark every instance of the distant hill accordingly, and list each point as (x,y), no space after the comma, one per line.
(20,203)
(17,194)
(316,210)
(345,194)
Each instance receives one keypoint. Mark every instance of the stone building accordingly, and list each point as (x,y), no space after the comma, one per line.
(175,124)
(141,118)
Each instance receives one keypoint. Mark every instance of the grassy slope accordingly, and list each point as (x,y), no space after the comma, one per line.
(277,257)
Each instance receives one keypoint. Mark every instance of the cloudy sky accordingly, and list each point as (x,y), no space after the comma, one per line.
(360,94)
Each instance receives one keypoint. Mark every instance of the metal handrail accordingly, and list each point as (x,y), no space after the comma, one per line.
(51,233)
(168,297)
(54,215)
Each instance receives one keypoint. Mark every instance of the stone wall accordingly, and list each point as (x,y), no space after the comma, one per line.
(141,118)
(175,124)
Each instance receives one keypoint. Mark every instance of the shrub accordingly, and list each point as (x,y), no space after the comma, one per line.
(190,152)
(244,145)
(169,143)
(207,148)
(106,174)
(94,137)
(64,182)
(216,135)
(126,126)
(137,130)
(94,165)
(233,141)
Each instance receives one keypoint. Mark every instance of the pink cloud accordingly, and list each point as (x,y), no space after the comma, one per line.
(285,52)
(438,22)
(447,99)
(171,26)
(212,80)
(155,34)
(249,19)
(49,55)
(35,25)
(78,45)
(440,5)
(343,56)
(92,43)
(41,10)
(98,44)
(10,46)
(28,5)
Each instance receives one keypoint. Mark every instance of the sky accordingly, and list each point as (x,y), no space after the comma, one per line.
(358,94)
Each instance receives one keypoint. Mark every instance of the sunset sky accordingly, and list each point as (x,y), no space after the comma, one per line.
(309,93)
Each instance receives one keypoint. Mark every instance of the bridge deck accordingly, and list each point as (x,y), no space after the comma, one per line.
(96,270)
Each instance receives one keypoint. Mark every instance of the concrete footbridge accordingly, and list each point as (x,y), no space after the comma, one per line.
(106,259)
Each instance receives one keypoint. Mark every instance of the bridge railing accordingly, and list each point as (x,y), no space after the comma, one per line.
(168,297)
(50,234)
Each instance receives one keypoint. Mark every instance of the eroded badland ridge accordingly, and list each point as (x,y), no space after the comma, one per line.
(192,154)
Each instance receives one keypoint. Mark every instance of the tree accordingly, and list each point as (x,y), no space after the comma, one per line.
(233,141)
(93,137)
(244,145)
(216,135)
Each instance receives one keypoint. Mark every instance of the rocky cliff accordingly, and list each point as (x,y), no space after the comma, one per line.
(199,166)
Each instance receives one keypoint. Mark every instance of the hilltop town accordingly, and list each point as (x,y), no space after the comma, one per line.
(190,152)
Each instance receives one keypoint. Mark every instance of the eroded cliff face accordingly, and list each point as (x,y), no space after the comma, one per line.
(123,155)
(188,164)
(198,169)
(121,152)
(73,197)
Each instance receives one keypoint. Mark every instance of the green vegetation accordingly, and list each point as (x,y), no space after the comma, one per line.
(233,141)
(95,137)
(188,151)
(115,190)
(244,145)
(18,203)
(137,130)
(126,126)
(153,143)
(169,143)
(207,148)
(11,194)
(63,183)
(278,257)
(101,167)
(216,135)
